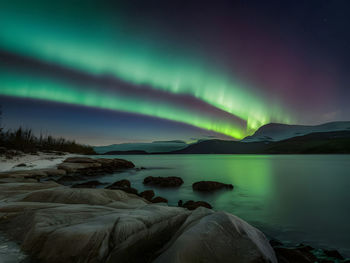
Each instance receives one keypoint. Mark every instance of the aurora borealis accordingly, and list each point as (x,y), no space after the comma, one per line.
(206,66)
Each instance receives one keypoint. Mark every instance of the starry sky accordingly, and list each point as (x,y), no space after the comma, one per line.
(104,72)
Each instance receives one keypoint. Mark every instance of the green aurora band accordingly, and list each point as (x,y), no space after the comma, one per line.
(100,49)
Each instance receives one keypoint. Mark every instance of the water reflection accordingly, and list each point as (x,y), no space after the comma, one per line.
(291,197)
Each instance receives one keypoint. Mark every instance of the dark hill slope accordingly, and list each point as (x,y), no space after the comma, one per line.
(313,143)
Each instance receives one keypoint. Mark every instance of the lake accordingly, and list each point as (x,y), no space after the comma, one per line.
(293,198)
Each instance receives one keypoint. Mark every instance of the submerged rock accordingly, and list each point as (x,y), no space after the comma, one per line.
(159,199)
(207,186)
(148,194)
(192,205)
(171,181)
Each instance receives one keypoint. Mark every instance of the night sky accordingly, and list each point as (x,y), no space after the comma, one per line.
(104,72)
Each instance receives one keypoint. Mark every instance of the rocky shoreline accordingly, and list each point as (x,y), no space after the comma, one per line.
(57,223)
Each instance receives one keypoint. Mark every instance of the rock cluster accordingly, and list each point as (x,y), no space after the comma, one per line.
(54,223)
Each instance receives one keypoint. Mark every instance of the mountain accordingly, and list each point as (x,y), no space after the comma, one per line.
(277,132)
(157,146)
(313,143)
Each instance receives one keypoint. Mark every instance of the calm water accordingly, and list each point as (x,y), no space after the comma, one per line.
(294,198)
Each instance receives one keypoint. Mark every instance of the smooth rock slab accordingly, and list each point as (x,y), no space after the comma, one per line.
(208,236)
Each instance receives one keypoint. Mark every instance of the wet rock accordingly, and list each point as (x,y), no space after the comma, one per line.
(91,167)
(208,236)
(159,199)
(207,186)
(89,184)
(120,184)
(171,181)
(123,185)
(129,190)
(295,255)
(192,205)
(148,194)
(333,254)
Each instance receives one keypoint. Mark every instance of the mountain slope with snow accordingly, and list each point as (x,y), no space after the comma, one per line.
(157,146)
(277,132)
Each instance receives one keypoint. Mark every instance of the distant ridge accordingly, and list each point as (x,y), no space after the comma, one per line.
(151,147)
(277,131)
(313,143)
(273,138)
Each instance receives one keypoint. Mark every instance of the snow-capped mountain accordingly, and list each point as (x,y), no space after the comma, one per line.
(278,132)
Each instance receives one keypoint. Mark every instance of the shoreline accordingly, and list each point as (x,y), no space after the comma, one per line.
(18,160)
(58,159)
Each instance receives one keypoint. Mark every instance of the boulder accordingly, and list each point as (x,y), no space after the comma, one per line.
(91,166)
(83,233)
(78,167)
(123,185)
(208,186)
(120,184)
(208,236)
(171,181)
(159,199)
(148,194)
(192,205)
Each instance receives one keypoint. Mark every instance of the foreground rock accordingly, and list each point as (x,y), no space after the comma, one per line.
(208,186)
(54,223)
(172,181)
(208,236)
(90,166)
(192,205)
